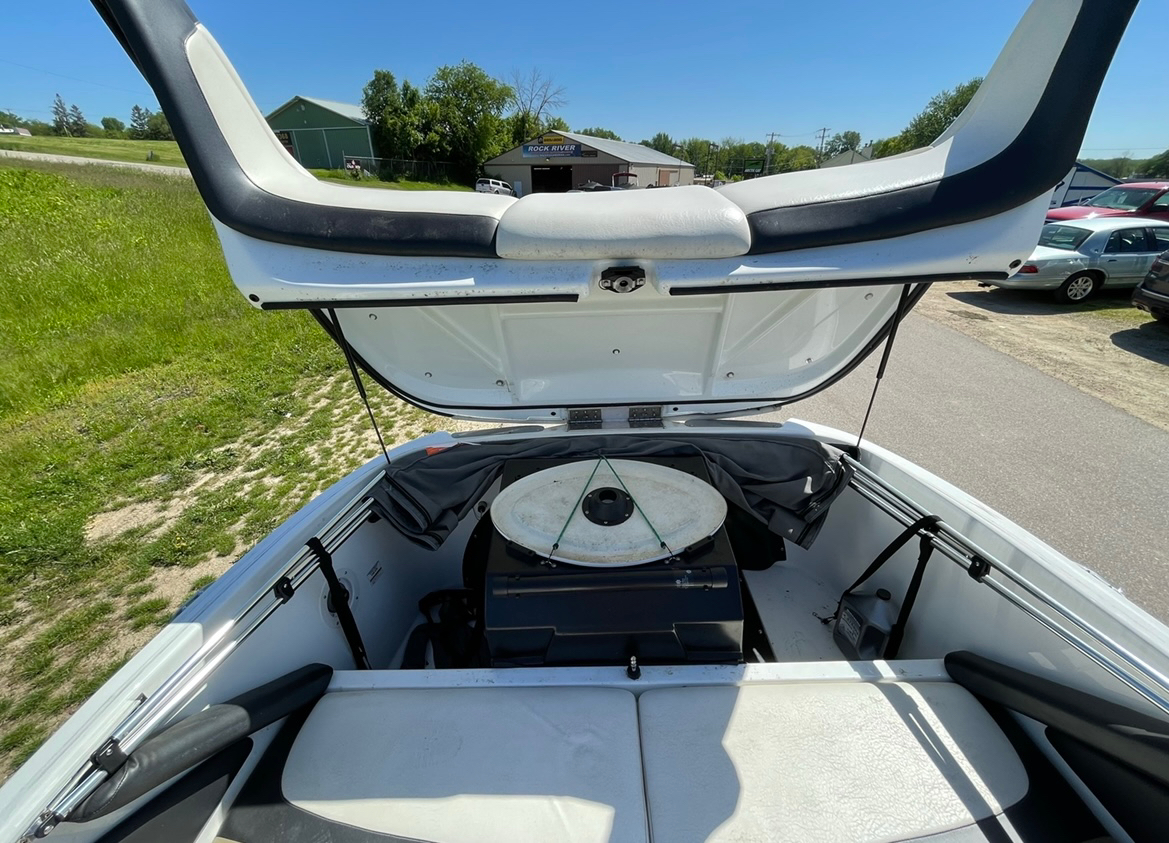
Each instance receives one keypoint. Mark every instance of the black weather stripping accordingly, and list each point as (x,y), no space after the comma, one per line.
(773,286)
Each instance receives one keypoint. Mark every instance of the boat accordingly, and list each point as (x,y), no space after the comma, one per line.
(628,612)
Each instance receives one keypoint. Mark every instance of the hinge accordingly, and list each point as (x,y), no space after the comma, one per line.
(586,419)
(647,416)
(594,418)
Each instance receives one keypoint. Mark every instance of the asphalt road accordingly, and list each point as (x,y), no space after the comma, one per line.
(1089,479)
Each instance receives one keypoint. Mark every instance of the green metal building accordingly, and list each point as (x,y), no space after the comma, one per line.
(322,134)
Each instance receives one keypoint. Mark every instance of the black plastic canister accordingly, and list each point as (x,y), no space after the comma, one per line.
(863,625)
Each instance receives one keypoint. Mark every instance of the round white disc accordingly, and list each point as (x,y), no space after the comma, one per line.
(533,510)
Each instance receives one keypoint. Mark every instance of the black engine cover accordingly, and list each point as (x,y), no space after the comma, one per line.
(686,610)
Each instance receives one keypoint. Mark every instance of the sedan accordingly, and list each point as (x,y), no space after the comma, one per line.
(1152,295)
(1076,259)
(1136,199)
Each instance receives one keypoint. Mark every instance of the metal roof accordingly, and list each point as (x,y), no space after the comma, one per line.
(632,153)
(346,110)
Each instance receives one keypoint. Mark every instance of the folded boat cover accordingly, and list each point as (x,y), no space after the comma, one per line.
(787,483)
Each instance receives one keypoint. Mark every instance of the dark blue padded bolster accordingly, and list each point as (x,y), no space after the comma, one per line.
(153,33)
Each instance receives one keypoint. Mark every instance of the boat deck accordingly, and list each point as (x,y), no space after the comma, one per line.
(758,752)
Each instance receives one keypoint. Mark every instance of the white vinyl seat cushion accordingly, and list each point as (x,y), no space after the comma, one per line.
(670,223)
(860,762)
(474,765)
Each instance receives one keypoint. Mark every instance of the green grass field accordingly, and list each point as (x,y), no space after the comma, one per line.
(153,425)
(107,149)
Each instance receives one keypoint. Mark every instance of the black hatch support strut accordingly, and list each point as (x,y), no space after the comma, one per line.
(339,597)
(348,350)
(897,317)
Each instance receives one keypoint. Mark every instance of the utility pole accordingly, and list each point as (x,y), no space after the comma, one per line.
(771,136)
(820,149)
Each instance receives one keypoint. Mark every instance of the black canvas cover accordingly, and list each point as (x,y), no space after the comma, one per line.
(787,483)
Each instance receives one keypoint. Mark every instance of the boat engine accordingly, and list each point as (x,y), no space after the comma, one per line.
(597,561)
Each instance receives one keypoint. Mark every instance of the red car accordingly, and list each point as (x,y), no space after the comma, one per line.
(1139,199)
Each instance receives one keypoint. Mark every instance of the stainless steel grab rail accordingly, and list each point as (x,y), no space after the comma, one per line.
(178,688)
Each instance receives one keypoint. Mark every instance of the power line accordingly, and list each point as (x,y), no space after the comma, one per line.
(72,78)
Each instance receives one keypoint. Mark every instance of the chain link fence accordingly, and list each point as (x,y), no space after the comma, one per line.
(394,169)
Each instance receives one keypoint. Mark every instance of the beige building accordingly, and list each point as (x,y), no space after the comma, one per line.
(558,162)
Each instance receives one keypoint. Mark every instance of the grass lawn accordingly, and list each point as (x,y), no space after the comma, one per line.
(153,425)
(108,149)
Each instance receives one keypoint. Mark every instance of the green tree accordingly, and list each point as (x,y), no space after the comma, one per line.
(138,122)
(77,127)
(841,142)
(929,125)
(464,117)
(112,127)
(60,116)
(158,127)
(381,101)
(695,151)
(608,134)
(662,142)
(1157,167)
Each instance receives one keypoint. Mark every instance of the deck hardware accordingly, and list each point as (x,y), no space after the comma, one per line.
(622,279)
(283,589)
(109,756)
(633,671)
(979,569)
(340,597)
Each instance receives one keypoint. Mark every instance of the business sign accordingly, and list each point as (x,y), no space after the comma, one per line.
(551,150)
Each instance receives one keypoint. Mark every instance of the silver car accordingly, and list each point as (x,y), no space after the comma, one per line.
(1078,257)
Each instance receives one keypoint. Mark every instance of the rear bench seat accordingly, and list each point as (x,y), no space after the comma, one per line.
(802,762)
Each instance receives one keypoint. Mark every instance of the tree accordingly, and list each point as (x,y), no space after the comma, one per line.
(1157,167)
(661,142)
(113,127)
(929,125)
(138,119)
(380,101)
(60,116)
(841,142)
(533,96)
(608,134)
(464,117)
(555,124)
(76,122)
(695,151)
(158,127)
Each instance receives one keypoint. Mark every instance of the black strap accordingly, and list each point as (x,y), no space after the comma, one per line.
(898,632)
(340,598)
(928,523)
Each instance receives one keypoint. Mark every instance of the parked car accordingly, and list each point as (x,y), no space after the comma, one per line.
(1136,199)
(1152,294)
(494,186)
(1076,259)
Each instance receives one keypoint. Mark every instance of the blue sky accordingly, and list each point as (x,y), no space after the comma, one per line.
(638,68)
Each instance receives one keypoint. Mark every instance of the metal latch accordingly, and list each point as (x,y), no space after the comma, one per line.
(622,279)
